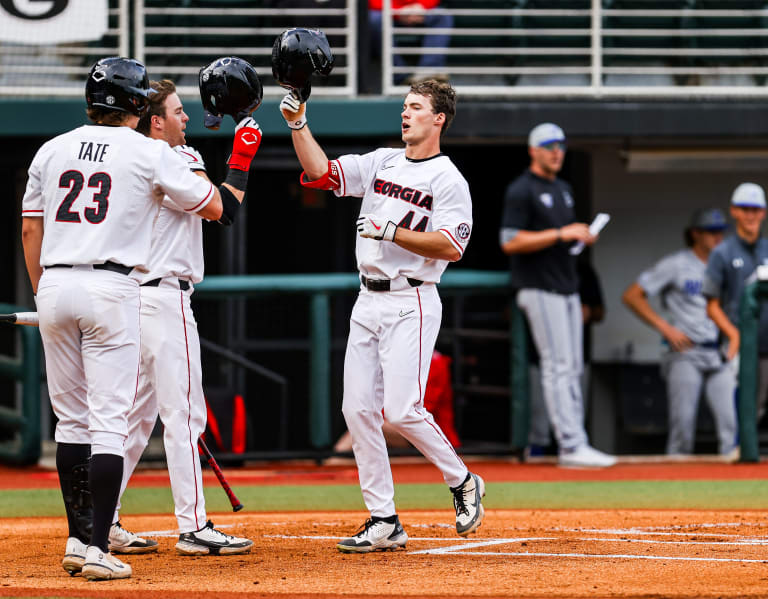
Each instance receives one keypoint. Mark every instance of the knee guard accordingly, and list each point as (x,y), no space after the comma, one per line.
(77,500)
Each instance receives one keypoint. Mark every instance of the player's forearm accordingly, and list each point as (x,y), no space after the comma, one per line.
(718,316)
(311,156)
(634,298)
(32,241)
(526,242)
(428,244)
(215,208)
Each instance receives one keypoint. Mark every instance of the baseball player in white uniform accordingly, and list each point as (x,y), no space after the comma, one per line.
(170,374)
(92,197)
(416,216)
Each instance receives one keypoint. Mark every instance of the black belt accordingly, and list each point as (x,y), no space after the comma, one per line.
(709,345)
(183,285)
(383,284)
(113,266)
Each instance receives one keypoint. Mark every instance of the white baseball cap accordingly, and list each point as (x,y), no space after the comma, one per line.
(545,133)
(748,195)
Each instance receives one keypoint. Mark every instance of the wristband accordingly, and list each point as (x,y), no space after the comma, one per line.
(298,124)
(237,179)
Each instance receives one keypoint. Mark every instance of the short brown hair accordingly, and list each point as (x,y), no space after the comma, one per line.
(443,98)
(97,114)
(156,105)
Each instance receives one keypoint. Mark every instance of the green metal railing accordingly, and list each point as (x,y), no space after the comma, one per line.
(749,318)
(24,419)
(320,287)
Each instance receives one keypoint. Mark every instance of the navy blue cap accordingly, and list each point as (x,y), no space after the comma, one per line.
(709,219)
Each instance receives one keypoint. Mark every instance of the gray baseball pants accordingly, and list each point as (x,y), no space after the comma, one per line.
(686,374)
(555,321)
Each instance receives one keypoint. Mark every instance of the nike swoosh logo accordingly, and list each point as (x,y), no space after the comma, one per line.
(388,166)
(406,313)
(193,158)
(374,225)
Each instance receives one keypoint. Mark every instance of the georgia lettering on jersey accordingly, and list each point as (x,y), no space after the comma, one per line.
(421,195)
(99,189)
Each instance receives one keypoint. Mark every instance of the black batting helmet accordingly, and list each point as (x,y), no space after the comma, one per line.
(230,85)
(120,84)
(297,53)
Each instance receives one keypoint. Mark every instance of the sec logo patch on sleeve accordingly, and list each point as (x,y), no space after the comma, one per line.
(463,231)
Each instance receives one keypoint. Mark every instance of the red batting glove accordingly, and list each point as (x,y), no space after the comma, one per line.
(245,145)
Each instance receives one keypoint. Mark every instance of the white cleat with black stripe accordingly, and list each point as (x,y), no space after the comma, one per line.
(209,541)
(123,541)
(376,535)
(467,499)
(74,556)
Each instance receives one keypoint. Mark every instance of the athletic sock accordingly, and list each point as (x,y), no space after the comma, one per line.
(74,487)
(106,477)
(388,519)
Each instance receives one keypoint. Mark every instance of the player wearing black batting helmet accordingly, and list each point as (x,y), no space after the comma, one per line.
(298,53)
(229,85)
(120,84)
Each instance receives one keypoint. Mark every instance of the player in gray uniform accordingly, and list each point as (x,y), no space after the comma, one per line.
(694,358)
(730,266)
(537,231)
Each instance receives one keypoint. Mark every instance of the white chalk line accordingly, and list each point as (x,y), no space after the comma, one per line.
(469,546)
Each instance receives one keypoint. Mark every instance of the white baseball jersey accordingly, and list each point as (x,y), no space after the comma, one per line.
(421,195)
(98,177)
(177,245)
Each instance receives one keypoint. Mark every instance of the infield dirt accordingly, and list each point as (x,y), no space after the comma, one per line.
(516,553)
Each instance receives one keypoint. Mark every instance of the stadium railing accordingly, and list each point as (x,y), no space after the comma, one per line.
(498,48)
(754,297)
(591,48)
(20,424)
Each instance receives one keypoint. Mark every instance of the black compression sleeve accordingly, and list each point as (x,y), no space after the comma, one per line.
(237,179)
(230,206)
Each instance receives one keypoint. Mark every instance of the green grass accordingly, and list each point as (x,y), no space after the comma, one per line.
(698,494)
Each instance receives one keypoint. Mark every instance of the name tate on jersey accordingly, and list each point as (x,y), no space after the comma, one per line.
(92,151)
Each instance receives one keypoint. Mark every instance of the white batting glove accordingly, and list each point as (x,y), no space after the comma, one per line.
(294,112)
(247,122)
(192,157)
(376,227)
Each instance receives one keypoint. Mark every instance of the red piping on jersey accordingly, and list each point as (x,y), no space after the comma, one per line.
(343,178)
(447,233)
(203,202)
(192,444)
(25,211)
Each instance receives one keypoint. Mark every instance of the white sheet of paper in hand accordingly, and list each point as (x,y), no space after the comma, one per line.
(597,225)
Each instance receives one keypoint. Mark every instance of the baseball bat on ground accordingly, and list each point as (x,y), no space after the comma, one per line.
(236,505)
(27,318)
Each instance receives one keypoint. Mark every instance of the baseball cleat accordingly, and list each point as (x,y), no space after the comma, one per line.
(467,499)
(102,565)
(585,457)
(74,556)
(209,541)
(375,535)
(123,541)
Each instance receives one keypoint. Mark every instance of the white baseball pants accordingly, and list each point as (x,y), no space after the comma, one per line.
(171,384)
(391,338)
(555,322)
(89,324)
